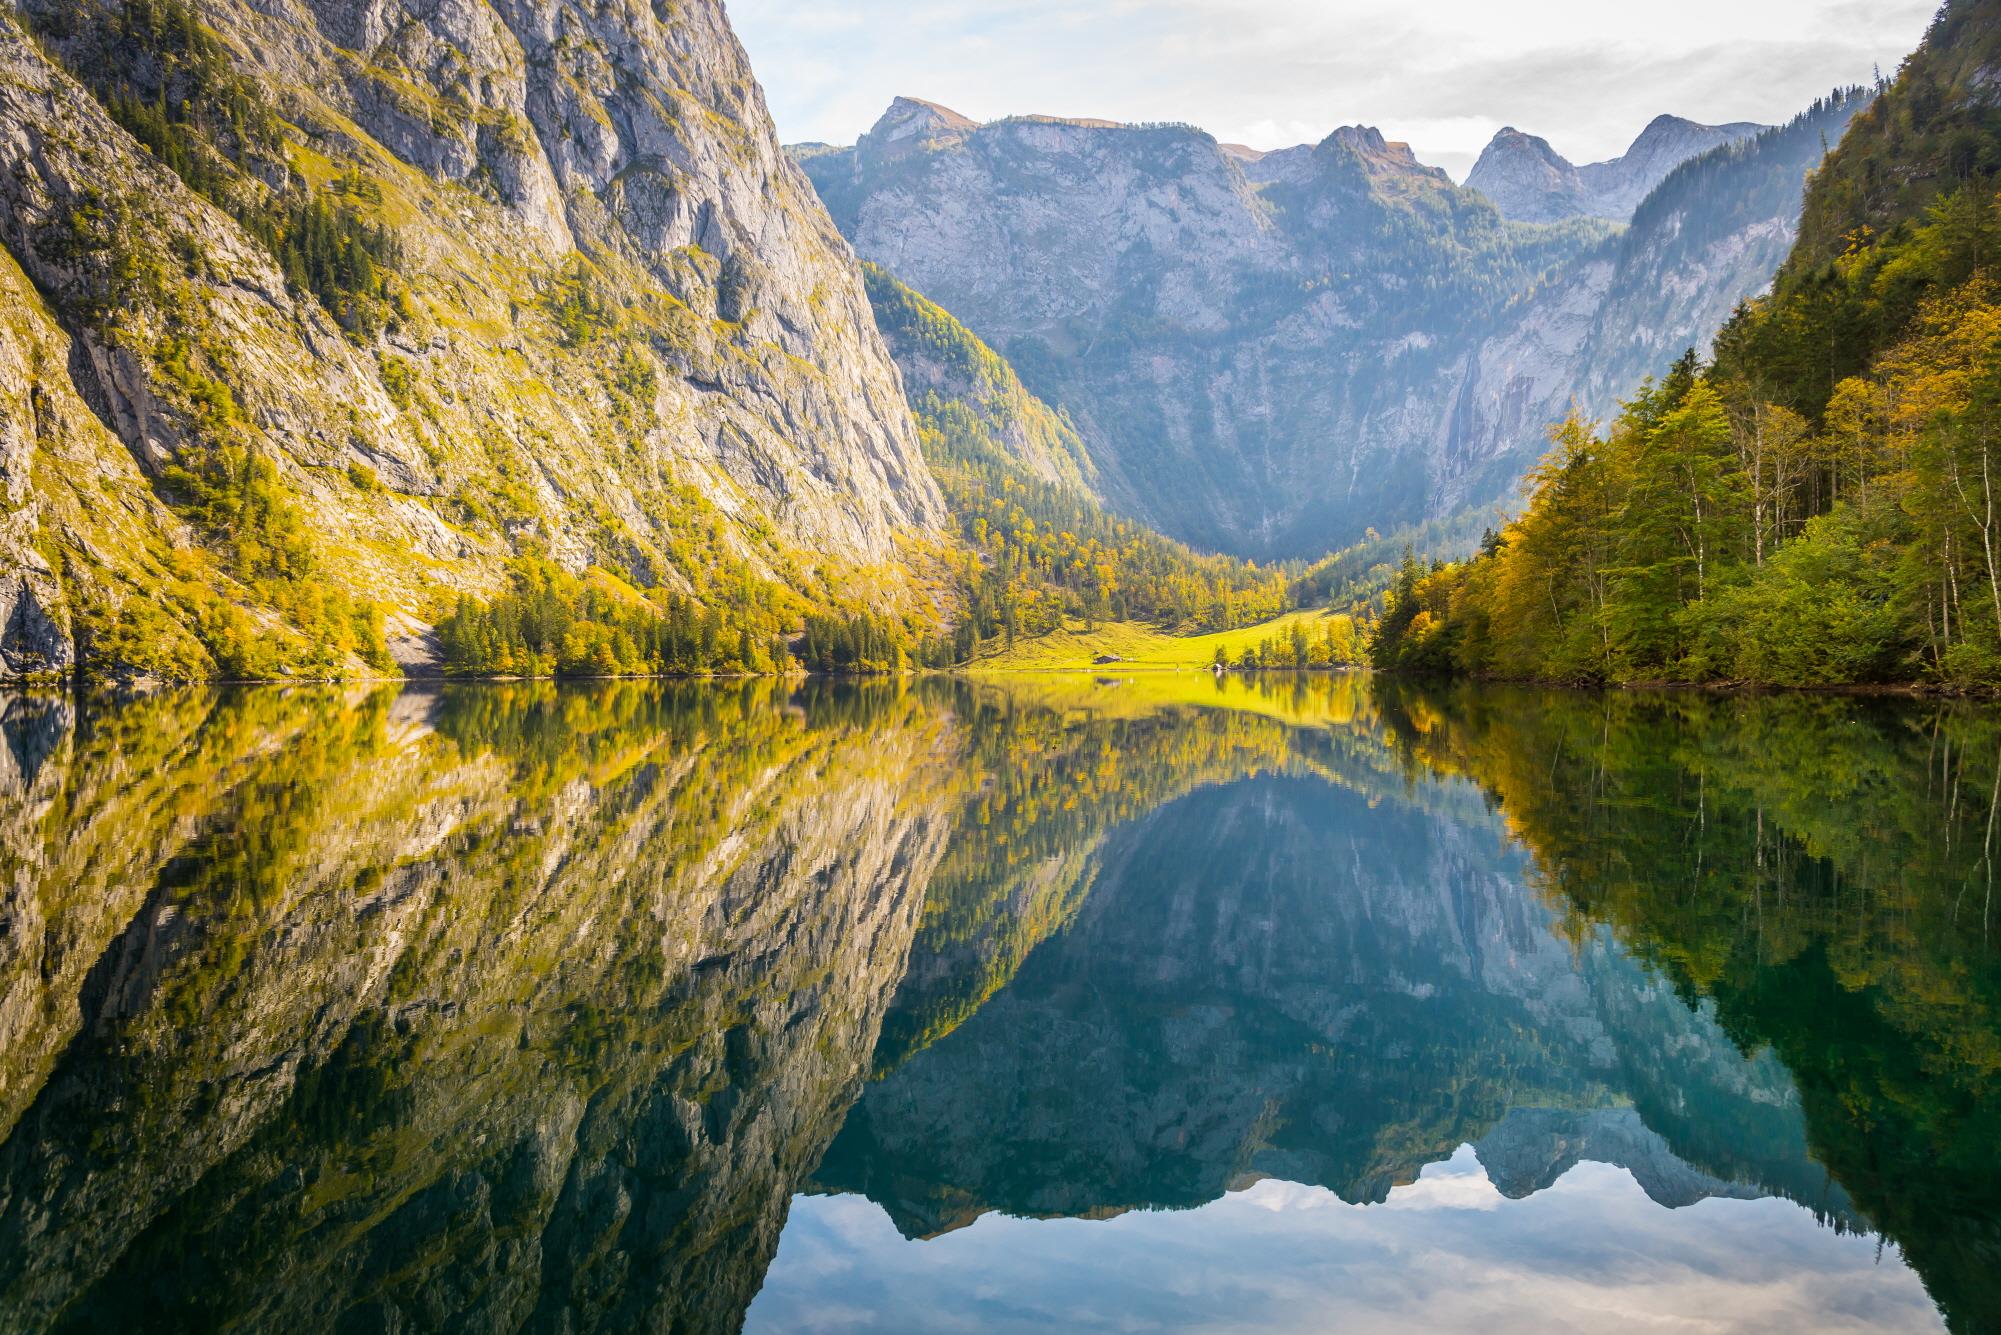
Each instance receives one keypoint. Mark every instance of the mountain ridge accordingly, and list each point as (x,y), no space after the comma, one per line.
(1529,181)
(414,296)
(1268,353)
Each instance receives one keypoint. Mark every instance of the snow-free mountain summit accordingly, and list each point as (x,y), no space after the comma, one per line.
(1270,353)
(1528,181)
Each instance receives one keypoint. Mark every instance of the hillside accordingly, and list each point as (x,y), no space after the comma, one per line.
(408,296)
(1040,546)
(1818,505)
(1937,125)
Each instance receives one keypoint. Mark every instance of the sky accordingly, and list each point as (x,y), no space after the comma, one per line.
(1442,74)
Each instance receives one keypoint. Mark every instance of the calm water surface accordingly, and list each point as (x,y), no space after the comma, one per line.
(1074,1003)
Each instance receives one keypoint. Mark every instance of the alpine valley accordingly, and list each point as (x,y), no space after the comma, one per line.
(1268,354)
(340,339)
(607,724)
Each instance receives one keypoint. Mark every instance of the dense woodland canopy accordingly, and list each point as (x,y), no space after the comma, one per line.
(553,623)
(1818,504)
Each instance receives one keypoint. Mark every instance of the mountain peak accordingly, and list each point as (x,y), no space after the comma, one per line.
(1380,156)
(1673,132)
(1529,181)
(1526,179)
(1361,138)
(916,121)
(1512,140)
(1665,122)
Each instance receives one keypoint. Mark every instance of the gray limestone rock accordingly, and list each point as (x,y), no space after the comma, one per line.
(726,399)
(1529,181)
(1271,353)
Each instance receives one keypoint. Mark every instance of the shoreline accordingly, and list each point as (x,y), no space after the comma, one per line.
(1665,686)
(77,686)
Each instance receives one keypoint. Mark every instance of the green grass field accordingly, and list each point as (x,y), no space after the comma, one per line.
(1140,648)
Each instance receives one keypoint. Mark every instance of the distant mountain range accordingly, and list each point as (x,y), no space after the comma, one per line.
(1270,354)
(1528,181)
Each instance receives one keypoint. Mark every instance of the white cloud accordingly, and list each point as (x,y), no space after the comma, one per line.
(1584,74)
(1590,1253)
(1458,1185)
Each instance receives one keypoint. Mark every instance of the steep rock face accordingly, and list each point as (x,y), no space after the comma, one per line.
(1268,353)
(35,633)
(1247,355)
(1666,143)
(1528,181)
(615,325)
(1105,206)
(1709,237)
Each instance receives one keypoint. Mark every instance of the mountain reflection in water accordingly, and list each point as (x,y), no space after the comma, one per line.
(1154,1002)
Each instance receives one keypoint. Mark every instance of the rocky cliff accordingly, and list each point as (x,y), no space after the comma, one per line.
(1247,359)
(403,292)
(1709,236)
(1268,354)
(1529,181)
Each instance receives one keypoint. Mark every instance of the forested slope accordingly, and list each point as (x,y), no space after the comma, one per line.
(1822,503)
(1041,546)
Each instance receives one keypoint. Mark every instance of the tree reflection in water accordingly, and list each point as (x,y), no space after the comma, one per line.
(513,1007)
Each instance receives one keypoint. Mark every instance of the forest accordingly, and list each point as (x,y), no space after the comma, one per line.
(1815,505)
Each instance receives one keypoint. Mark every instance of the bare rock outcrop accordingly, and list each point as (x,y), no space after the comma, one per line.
(1528,181)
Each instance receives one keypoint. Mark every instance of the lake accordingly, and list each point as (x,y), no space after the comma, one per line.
(1083,1003)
